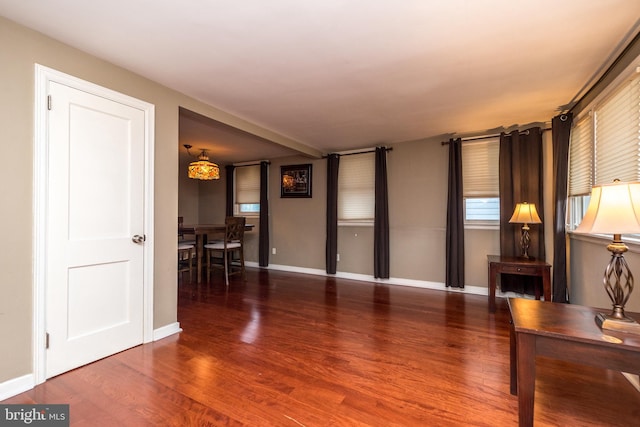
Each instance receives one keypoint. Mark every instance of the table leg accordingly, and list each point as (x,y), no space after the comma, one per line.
(513,360)
(199,249)
(492,287)
(526,377)
(546,284)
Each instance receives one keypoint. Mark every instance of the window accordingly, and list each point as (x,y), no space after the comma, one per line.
(482,209)
(480,182)
(356,189)
(249,208)
(581,158)
(577,208)
(580,170)
(617,123)
(605,145)
(247,185)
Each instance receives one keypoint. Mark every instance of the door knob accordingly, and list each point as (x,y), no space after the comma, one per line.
(138,239)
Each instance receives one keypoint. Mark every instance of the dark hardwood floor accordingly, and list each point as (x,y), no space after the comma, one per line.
(285,349)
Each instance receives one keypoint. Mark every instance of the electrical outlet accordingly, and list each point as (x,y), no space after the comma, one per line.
(273,251)
(338,257)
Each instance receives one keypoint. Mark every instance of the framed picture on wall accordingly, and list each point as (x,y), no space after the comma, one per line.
(295,181)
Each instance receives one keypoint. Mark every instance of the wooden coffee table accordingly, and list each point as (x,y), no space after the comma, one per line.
(565,332)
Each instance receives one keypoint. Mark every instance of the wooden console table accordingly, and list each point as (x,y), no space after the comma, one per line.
(565,332)
(522,266)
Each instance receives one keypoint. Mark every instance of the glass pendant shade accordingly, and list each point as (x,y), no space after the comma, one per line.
(204,169)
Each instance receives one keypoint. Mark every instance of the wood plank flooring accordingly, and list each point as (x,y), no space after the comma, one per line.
(285,349)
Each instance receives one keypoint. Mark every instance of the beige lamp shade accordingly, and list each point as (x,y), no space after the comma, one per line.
(525,213)
(613,209)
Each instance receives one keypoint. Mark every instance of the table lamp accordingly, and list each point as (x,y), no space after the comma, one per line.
(615,209)
(525,213)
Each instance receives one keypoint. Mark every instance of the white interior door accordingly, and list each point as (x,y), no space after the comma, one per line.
(94,268)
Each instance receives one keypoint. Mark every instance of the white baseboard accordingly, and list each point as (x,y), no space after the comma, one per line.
(424,284)
(475,290)
(165,331)
(16,386)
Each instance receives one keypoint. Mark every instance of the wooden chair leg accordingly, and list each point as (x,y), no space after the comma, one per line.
(185,262)
(208,255)
(226,267)
(243,274)
(190,265)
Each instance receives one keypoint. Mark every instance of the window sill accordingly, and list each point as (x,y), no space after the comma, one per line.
(355,223)
(481,226)
(602,239)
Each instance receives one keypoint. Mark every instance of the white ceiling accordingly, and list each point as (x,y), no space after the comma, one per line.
(224,144)
(344,74)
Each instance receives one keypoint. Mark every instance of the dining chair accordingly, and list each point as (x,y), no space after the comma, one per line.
(182,234)
(186,251)
(220,254)
(186,256)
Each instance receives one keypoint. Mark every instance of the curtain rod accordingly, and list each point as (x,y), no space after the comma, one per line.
(256,163)
(478,138)
(359,152)
(619,64)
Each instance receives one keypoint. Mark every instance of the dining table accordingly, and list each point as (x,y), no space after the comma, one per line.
(202,233)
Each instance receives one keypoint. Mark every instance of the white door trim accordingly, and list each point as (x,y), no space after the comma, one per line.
(43,76)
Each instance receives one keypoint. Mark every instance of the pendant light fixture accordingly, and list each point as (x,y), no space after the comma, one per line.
(203,169)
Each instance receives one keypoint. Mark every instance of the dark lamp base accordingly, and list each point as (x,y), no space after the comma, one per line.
(627,324)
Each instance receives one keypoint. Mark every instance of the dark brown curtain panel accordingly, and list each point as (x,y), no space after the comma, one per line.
(333,161)
(561,133)
(381,217)
(520,181)
(263,238)
(229,176)
(455,218)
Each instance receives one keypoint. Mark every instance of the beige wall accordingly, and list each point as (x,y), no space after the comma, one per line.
(213,200)
(16,150)
(298,225)
(188,194)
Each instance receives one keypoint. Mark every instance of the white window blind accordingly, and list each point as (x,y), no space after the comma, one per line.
(480,168)
(247,184)
(356,187)
(581,158)
(617,127)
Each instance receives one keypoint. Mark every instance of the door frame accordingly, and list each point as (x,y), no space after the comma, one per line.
(43,76)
